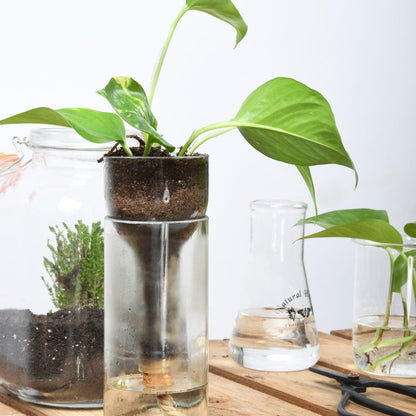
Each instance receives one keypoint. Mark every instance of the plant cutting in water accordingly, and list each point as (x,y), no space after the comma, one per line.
(77,266)
(283,119)
(373,225)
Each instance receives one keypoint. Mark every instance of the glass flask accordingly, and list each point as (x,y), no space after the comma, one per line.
(275,327)
(384,327)
(52,258)
(156,343)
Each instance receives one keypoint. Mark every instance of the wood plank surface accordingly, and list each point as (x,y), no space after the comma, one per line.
(303,388)
(237,391)
(343,333)
(8,411)
(227,398)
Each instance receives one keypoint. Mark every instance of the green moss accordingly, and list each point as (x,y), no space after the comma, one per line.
(76,266)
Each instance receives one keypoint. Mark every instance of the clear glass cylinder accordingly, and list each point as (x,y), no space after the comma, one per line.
(156,342)
(384,327)
(275,328)
(52,257)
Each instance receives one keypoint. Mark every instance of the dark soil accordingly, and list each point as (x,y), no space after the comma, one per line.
(56,357)
(161,187)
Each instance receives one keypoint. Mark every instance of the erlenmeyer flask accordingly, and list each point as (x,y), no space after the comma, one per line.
(275,328)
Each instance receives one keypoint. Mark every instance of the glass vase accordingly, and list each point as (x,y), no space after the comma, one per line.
(156,343)
(275,328)
(52,259)
(384,327)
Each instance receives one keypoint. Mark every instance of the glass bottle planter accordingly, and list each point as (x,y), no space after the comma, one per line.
(384,327)
(52,256)
(156,344)
(275,328)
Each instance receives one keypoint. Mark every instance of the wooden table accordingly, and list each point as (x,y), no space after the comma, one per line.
(236,391)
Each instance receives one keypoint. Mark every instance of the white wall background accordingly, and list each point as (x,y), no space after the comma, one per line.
(360,54)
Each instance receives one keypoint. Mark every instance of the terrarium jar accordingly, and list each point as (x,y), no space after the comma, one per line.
(275,327)
(384,327)
(156,342)
(52,257)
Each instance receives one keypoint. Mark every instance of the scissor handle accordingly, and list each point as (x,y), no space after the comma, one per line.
(351,394)
(388,385)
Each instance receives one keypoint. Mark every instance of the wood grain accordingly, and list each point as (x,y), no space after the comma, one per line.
(237,391)
(343,333)
(8,411)
(227,398)
(303,388)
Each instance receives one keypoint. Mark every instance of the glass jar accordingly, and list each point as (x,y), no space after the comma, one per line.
(384,327)
(156,341)
(51,302)
(275,328)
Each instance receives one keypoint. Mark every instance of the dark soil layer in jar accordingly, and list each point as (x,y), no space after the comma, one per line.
(161,187)
(55,358)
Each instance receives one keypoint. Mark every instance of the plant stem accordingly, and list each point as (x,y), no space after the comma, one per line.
(148,145)
(395,354)
(379,331)
(208,137)
(202,130)
(224,126)
(163,54)
(407,340)
(126,149)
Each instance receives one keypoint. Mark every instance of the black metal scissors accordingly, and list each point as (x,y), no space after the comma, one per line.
(352,386)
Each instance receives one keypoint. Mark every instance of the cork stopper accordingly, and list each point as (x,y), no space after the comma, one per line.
(157,374)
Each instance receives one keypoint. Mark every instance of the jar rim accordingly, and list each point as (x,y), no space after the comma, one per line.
(172,157)
(158,222)
(63,138)
(271,204)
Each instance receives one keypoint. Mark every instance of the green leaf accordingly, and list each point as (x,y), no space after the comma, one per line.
(368,229)
(288,121)
(345,216)
(40,115)
(307,177)
(410,229)
(129,100)
(95,126)
(223,10)
(400,270)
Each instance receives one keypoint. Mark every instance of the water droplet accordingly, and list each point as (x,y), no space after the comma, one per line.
(166,194)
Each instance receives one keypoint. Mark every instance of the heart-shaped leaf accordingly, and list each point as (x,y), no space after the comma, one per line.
(223,10)
(129,100)
(345,216)
(410,229)
(369,229)
(95,126)
(288,121)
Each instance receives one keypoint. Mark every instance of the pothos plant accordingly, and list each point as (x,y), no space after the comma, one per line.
(283,118)
(373,225)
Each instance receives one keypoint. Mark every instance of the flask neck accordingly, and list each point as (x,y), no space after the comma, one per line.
(276,229)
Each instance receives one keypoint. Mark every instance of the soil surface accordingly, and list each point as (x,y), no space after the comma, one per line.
(56,357)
